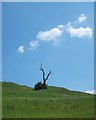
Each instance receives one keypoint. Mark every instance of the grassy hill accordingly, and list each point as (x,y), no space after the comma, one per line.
(23,102)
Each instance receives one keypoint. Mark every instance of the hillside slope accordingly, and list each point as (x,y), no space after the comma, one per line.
(23,102)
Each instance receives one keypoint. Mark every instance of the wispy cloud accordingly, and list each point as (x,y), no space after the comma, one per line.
(21,49)
(91,91)
(82,18)
(51,35)
(33,45)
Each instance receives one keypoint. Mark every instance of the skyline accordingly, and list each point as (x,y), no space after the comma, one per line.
(47,33)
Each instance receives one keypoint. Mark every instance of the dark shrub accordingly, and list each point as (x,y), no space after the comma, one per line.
(44,86)
(38,86)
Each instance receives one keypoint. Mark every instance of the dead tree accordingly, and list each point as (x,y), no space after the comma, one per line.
(44,78)
(39,85)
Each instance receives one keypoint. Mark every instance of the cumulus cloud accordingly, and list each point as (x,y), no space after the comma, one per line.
(51,35)
(33,44)
(91,92)
(54,35)
(79,32)
(82,18)
(21,49)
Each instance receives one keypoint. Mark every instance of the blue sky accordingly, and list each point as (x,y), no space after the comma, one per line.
(59,35)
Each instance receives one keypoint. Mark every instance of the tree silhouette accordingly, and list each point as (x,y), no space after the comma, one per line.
(44,78)
(39,85)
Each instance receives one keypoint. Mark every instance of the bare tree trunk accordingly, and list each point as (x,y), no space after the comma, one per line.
(44,79)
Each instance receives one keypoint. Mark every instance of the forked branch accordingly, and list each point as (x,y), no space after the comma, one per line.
(44,79)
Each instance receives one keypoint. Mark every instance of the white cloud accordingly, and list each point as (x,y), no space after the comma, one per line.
(61,27)
(91,92)
(33,44)
(79,32)
(68,25)
(52,35)
(21,49)
(82,18)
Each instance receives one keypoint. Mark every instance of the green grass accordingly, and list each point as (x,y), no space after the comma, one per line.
(23,102)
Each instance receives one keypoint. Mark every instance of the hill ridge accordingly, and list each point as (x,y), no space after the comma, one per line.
(24,102)
(10,84)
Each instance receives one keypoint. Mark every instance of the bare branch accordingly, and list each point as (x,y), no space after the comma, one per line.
(42,71)
(41,67)
(48,74)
